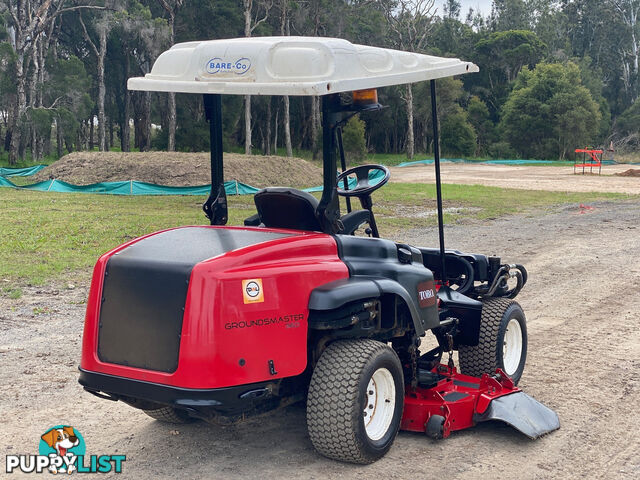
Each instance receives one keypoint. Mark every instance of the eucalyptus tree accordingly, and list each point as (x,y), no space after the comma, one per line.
(171,8)
(255,13)
(409,23)
(27,21)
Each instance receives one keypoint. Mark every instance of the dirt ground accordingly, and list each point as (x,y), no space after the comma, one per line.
(180,169)
(559,179)
(582,303)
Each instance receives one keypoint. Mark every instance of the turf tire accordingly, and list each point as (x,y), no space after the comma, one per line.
(338,395)
(487,355)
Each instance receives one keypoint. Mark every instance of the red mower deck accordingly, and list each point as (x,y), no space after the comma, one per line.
(458,401)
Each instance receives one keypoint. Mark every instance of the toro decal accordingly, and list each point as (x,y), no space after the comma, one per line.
(252,291)
(239,66)
(426,294)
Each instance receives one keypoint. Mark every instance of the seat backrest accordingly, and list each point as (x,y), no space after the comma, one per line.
(280,207)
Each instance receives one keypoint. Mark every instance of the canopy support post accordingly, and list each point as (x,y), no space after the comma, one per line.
(215,208)
(329,208)
(436,156)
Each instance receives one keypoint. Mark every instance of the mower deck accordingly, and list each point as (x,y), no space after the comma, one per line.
(446,401)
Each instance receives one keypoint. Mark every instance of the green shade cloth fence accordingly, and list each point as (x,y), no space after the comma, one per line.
(132,187)
(20,172)
(232,187)
(493,162)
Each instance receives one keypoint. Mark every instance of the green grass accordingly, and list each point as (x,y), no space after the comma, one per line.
(54,237)
(12,292)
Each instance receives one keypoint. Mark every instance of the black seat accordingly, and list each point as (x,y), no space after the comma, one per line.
(281,207)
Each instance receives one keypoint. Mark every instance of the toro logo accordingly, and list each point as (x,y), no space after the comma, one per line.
(426,294)
(62,450)
(252,290)
(219,65)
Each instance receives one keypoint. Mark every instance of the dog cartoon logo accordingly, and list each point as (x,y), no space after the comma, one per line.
(66,444)
(62,450)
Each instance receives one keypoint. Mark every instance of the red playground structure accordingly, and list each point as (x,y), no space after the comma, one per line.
(595,160)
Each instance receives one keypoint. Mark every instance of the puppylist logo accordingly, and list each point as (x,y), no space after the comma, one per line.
(62,450)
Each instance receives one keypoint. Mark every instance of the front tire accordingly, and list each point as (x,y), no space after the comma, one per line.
(502,343)
(355,401)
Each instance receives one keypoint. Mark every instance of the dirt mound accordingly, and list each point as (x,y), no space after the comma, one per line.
(180,169)
(632,172)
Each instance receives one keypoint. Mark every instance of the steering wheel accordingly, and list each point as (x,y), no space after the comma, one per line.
(363,187)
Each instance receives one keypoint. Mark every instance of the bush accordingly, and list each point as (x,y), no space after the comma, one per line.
(458,136)
(353,138)
(502,150)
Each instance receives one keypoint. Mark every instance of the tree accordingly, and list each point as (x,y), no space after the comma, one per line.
(511,15)
(549,112)
(501,56)
(253,17)
(67,94)
(478,115)
(628,12)
(452,9)
(102,25)
(285,30)
(29,19)
(410,22)
(171,8)
(458,136)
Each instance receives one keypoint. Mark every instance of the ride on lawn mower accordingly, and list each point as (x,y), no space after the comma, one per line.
(219,323)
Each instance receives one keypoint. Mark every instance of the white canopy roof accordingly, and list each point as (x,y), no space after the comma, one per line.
(289,66)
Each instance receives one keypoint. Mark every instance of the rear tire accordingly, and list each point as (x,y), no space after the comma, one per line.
(355,401)
(502,343)
(170,415)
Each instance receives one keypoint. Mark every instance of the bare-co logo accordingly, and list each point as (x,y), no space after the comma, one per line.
(426,294)
(252,290)
(219,65)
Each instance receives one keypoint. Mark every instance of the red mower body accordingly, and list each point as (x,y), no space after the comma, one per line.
(214,331)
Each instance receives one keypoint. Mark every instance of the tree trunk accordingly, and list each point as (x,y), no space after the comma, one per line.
(171,100)
(32,98)
(59,138)
(102,127)
(171,122)
(275,134)
(410,138)
(91,127)
(125,133)
(145,140)
(287,127)
(110,136)
(268,121)
(284,30)
(247,124)
(18,111)
(315,126)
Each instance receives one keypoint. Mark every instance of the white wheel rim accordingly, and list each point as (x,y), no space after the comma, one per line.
(380,404)
(512,347)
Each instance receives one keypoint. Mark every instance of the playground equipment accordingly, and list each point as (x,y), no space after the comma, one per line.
(595,160)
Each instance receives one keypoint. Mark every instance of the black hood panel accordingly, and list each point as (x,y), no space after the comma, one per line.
(145,290)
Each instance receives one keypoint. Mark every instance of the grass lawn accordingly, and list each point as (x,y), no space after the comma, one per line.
(58,237)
